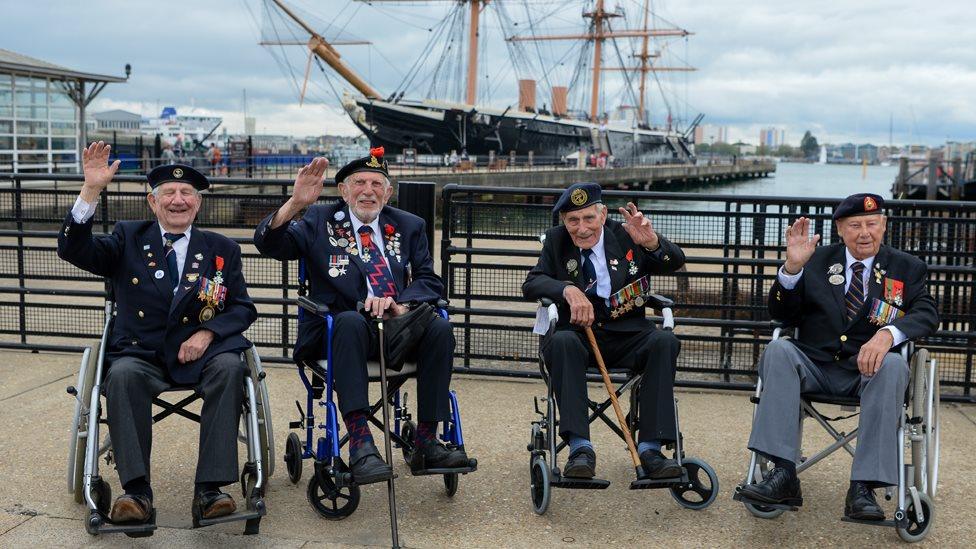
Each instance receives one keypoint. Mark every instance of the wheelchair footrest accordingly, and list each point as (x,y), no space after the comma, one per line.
(446,471)
(133,530)
(580,483)
(888,523)
(651,483)
(793,505)
(233,517)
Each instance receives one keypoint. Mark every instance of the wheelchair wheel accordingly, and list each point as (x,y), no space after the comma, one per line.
(265,431)
(925,405)
(702,485)
(293,457)
(539,484)
(331,502)
(451,484)
(77,449)
(763,467)
(408,431)
(916,530)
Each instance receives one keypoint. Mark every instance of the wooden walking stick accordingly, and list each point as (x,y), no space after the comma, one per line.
(616,405)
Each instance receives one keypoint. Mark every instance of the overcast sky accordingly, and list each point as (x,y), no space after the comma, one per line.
(839,68)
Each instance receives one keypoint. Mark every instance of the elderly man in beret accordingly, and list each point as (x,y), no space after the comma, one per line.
(854,303)
(361,250)
(181,307)
(587,264)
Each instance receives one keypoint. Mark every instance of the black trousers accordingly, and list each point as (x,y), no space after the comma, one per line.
(654,352)
(356,340)
(130,386)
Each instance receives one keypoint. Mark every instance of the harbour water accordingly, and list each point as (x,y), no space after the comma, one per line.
(810,181)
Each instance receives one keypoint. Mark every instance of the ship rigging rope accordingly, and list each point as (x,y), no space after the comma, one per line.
(414,70)
(620,58)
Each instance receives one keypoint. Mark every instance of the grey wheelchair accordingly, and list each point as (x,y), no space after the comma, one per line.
(695,489)
(918,428)
(86,446)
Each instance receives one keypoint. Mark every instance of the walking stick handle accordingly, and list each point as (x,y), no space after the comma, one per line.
(613,398)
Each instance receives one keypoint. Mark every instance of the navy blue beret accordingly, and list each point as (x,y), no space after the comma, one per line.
(577,197)
(372,163)
(859,204)
(179,173)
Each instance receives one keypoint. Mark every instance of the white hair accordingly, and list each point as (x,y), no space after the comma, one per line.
(155,190)
(386,180)
(600,207)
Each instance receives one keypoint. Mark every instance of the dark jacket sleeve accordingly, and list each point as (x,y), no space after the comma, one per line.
(921,314)
(667,258)
(239,311)
(425,285)
(97,255)
(541,281)
(786,305)
(290,240)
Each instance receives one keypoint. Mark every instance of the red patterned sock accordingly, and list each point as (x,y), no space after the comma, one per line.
(426,433)
(358,429)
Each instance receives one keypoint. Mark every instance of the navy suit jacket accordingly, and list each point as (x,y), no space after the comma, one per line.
(150,322)
(552,274)
(818,308)
(309,238)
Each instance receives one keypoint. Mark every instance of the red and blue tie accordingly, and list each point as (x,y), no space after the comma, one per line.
(379,276)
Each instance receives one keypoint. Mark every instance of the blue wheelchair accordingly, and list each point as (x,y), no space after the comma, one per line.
(332,491)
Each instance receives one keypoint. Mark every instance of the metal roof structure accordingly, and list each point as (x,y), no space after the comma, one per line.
(18,63)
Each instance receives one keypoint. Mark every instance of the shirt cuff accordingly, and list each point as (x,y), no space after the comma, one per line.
(786,280)
(898,337)
(82,211)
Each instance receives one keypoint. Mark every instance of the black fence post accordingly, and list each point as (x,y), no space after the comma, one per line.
(418,198)
(21,278)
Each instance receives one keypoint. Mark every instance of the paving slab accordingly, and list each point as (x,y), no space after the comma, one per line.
(492,506)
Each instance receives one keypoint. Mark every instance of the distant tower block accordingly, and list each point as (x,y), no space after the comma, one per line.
(527,95)
(559,95)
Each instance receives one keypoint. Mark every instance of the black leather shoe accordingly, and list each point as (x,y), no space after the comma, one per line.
(129,508)
(367,466)
(861,504)
(435,455)
(658,466)
(780,487)
(211,504)
(581,463)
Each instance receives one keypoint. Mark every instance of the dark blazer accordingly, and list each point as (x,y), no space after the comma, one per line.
(309,238)
(818,308)
(151,323)
(551,274)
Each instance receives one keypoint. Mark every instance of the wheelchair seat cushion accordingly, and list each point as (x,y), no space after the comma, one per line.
(826,398)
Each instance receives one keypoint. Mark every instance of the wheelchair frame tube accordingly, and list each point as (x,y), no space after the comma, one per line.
(91,452)
(754,456)
(453,433)
(331,421)
(252,431)
(75,427)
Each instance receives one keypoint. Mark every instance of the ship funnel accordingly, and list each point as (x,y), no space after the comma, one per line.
(559,94)
(527,95)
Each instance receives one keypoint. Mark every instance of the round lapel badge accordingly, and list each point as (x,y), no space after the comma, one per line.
(836,279)
(159,274)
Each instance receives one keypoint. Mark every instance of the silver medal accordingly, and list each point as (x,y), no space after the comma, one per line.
(333,242)
(836,268)
(342,242)
(836,279)
(639,301)
(333,272)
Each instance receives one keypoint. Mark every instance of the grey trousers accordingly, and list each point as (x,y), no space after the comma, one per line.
(786,373)
(130,386)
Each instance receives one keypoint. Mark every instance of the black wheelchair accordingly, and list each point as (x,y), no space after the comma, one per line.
(918,428)
(85,447)
(332,492)
(695,489)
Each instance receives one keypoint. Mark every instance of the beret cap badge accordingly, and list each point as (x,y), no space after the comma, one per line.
(178,173)
(869,204)
(578,197)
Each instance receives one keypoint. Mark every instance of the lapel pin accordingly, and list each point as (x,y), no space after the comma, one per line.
(159,274)
(145,247)
(836,279)
(339,215)
(198,257)
(571,265)
(836,268)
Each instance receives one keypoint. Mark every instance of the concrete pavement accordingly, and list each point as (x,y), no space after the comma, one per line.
(492,506)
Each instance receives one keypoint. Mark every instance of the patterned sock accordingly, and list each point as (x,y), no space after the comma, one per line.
(575,443)
(426,433)
(646,445)
(358,430)
(138,487)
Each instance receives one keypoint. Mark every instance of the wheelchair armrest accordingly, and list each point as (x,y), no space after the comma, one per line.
(658,302)
(443,303)
(312,306)
(545,302)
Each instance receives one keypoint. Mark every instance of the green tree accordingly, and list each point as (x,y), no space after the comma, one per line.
(785,151)
(809,145)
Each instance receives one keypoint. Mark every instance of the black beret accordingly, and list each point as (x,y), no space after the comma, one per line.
(859,204)
(372,163)
(179,173)
(577,197)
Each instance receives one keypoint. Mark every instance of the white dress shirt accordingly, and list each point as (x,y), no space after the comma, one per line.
(788,281)
(599,259)
(377,238)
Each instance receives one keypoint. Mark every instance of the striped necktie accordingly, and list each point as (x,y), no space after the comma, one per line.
(174,272)
(855,293)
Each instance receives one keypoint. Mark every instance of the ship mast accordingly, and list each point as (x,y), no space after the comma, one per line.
(598,16)
(472,91)
(330,55)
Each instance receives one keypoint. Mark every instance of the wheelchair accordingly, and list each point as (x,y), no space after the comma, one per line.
(918,428)
(331,491)
(695,489)
(85,447)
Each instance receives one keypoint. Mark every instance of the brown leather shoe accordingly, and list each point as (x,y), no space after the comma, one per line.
(214,504)
(131,508)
